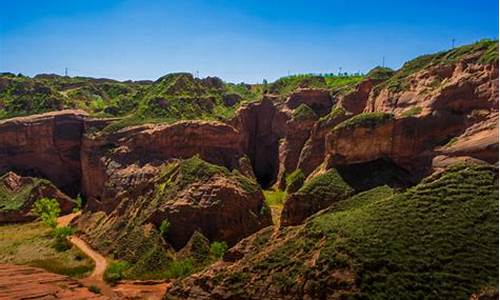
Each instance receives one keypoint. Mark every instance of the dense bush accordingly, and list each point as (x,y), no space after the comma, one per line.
(218,249)
(48,210)
(115,271)
(180,268)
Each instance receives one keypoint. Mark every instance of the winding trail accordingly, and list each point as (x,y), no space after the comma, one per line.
(99,260)
(96,277)
(125,290)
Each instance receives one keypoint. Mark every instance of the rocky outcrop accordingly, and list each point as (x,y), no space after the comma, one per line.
(355,101)
(440,104)
(479,141)
(46,145)
(297,133)
(261,126)
(220,209)
(189,195)
(18,194)
(319,100)
(117,162)
(458,88)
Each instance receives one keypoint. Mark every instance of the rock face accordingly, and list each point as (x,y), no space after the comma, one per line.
(18,194)
(355,102)
(427,117)
(319,100)
(220,208)
(114,163)
(460,87)
(261,126)
(46,145)
(189,196)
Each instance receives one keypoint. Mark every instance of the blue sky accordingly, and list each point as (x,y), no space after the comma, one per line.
(235,40)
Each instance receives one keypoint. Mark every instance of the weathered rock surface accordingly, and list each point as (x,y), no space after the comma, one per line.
(261,126)
(460,87)
(355,101)
(18,194)
(121,161)
(46,145)
(22,282)
(190,195)
(318,99)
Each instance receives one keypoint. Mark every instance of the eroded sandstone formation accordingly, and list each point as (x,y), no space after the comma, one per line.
(18,194)
(46,145)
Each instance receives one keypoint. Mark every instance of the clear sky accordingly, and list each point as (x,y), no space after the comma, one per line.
(235,40)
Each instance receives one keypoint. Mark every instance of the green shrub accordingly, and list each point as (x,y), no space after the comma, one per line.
(294,181)
(114,272)
(62,232)
(304,112)
(274,197)
(164,227)
(412,111)
(60,235)
(95,289)
(180,268)
(48,210)
(218,249)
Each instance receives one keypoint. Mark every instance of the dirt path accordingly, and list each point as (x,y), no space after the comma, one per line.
(125,290)
(96,278)
(99,260)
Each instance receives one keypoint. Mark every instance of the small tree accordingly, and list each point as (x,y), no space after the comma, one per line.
(60,235)
(218,249)
(48,210)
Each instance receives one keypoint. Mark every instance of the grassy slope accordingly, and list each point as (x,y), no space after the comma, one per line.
(30,244)
(22,95)
(438,240)
(286,85)
(483,52)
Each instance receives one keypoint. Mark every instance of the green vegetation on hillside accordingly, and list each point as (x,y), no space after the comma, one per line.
(304,112)
(294,181)
(413,111)
(22,198)
(22,95)
(380,73)
(437,240)
(327,185)
(180,96)
(482,52)
(334,82)
(365,120)
(30,244)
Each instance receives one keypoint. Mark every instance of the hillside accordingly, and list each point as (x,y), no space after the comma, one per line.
(378,244)
(347,186)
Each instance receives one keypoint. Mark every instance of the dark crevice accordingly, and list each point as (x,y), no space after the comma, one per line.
(368,175)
